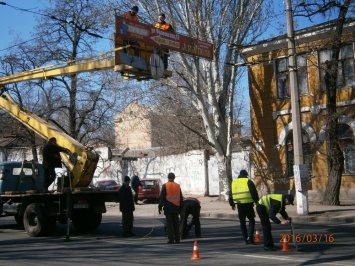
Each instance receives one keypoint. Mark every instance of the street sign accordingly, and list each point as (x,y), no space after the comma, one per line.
(149,35)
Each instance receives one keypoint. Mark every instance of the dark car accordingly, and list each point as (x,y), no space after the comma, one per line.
(150,189)
(107,185)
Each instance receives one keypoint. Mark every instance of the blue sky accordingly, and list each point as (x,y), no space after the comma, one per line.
(15,22)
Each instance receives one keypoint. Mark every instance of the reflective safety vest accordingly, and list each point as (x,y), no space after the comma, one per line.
(240,191)
(129,16)
(265,200)
(173,193)
(164,26)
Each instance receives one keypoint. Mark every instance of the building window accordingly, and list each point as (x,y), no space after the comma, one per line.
(302,74)
(346,74)
(346,71)
(323,57)
(346,140)
(290,153)
(283,80)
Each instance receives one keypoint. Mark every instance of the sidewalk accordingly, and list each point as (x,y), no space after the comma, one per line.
(214,208)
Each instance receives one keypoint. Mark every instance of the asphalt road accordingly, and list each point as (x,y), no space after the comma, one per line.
(318,244)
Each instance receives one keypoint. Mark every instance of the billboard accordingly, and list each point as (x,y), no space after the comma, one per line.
(149,35)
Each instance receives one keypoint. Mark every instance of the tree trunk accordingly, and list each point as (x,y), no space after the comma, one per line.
(335,161)
(225,176)
(335,158)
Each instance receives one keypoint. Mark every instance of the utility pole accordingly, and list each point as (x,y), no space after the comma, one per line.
(298,167)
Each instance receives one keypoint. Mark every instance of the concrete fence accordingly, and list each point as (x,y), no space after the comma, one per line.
(196,175)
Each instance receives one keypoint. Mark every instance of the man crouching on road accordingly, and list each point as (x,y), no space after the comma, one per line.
(267,208)
(171,199)
(190,206)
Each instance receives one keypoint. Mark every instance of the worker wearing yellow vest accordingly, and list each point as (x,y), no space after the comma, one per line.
(171,199)
(267,208)
(243,193)
(132,15)
(163,25)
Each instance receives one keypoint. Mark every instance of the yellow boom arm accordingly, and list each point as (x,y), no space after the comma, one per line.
(83,161)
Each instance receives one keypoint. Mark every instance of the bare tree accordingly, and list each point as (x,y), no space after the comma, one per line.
(84,104)
(211,85)
(338,10)
(178,125)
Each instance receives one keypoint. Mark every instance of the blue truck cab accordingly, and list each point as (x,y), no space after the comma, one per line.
(23,196)
(20,176)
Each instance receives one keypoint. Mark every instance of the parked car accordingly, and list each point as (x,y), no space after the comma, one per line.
(107,185)
(150,188)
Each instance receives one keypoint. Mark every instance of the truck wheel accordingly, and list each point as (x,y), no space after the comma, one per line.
(19,219)
(87,220)
(36,222)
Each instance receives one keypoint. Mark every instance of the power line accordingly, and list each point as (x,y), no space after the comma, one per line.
(54,18)
(7,48)
(115,10)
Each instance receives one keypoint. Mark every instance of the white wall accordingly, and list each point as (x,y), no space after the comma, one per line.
(195,175)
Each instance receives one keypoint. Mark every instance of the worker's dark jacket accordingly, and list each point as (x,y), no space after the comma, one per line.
(169,207)
(51,157)
(126,199)
(252,189)
(136,183)
(191,206)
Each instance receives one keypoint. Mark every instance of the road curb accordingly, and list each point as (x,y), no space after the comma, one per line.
(301,218)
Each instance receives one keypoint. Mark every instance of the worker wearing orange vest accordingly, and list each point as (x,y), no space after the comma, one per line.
(171,199)
(132,15)
(163,25)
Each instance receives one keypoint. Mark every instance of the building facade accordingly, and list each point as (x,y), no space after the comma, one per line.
(133,127)
(271,116)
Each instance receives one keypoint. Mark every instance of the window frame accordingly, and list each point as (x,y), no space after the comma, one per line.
(300,69)
(347,146)
(342,66)
(285,92)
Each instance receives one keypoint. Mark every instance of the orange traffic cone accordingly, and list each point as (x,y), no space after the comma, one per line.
(257,236)
(195,254)
(285,246)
